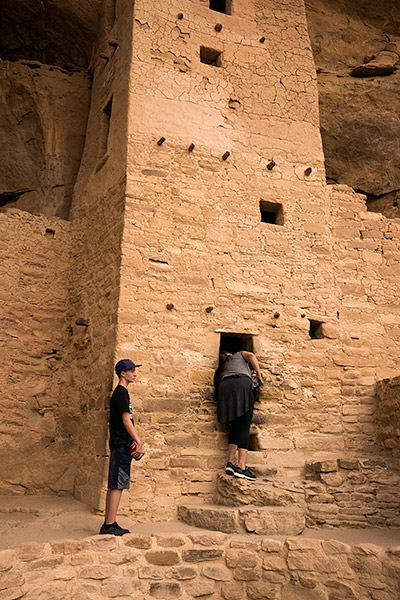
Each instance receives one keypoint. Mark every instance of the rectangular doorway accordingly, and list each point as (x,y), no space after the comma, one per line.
(235,342)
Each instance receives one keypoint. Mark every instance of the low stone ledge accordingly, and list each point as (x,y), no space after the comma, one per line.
(297,568)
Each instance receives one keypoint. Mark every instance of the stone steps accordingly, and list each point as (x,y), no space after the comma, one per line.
(231,491)
(262,520)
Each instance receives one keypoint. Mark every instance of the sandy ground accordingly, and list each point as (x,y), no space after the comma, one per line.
(25,519)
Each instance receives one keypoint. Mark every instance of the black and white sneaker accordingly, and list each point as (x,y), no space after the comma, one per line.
(113,529)
(244,473)
(230,468)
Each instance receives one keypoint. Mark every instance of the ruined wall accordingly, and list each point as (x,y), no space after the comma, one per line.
(98,218)
(45,111)
(352,493)
(35,426)
(366,258)
(388,415)
(201,565)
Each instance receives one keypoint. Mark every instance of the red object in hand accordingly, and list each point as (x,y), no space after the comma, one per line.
(131,448)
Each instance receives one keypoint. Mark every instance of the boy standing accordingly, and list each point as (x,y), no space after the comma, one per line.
(122,431)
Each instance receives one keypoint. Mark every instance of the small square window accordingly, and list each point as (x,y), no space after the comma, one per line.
(209,56)
(221,6)
(271,212)
(315,331)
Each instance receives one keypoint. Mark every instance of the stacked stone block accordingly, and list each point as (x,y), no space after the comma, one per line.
(389,415)
(353,493)
(36,426)
(199,565)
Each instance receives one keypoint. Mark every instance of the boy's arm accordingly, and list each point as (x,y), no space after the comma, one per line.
(126,419)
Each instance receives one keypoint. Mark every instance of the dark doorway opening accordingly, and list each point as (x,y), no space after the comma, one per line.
(271,212)
(209,56)
(222,6)
(315,331)
(235,342)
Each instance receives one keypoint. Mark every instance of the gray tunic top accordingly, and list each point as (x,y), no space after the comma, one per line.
(237,366)
(235,391)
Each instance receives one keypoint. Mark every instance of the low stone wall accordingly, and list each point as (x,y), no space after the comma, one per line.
(353,493)
(388,413)
(199,565)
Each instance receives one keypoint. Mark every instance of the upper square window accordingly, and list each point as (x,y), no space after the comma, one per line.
(210,56)
(221,6)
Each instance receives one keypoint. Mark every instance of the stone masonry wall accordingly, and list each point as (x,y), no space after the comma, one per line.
(198,262)
(194,239)
(353,493)
(366,254)
(98,219)
(389,415)
(200,566)
(35,428)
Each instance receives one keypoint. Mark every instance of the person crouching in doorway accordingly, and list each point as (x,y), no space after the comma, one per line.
(235,404)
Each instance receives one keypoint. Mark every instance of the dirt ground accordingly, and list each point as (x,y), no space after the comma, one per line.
(25,519)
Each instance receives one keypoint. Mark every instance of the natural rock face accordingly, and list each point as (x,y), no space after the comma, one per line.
(52,32)
(43,115)
(360,122)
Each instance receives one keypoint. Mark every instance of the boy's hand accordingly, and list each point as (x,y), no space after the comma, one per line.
(137,455)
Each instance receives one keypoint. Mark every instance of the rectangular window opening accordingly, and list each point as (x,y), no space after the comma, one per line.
(271,212)
(235,342)
(221,6)
(315,330)
(209,56)
(106,118)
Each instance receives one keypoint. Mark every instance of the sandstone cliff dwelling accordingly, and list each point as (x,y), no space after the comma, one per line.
(176,178)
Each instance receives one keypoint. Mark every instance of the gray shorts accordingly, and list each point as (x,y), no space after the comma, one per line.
(119,471)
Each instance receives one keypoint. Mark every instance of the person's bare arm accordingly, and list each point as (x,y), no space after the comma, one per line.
(252,359)
(126,419)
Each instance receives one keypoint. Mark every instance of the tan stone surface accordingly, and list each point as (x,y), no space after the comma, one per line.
(232,568)
(165,252)
(388,411)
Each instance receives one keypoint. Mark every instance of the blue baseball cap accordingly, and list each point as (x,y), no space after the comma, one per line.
(125,365)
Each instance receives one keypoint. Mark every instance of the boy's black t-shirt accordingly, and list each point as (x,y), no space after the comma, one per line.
(119,403)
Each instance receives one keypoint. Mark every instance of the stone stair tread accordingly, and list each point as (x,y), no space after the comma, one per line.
(262,520)
(222,508)
(233,491)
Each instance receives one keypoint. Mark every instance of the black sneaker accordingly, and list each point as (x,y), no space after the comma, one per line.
(230,468)
(244,473)
(113,529)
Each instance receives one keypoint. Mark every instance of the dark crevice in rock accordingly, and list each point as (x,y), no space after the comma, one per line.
(7,197)
(50,32)
(387,204)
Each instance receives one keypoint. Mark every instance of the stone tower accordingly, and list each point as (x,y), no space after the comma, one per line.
(200,217)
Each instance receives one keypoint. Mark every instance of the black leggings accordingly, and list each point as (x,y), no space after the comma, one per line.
(240,430)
